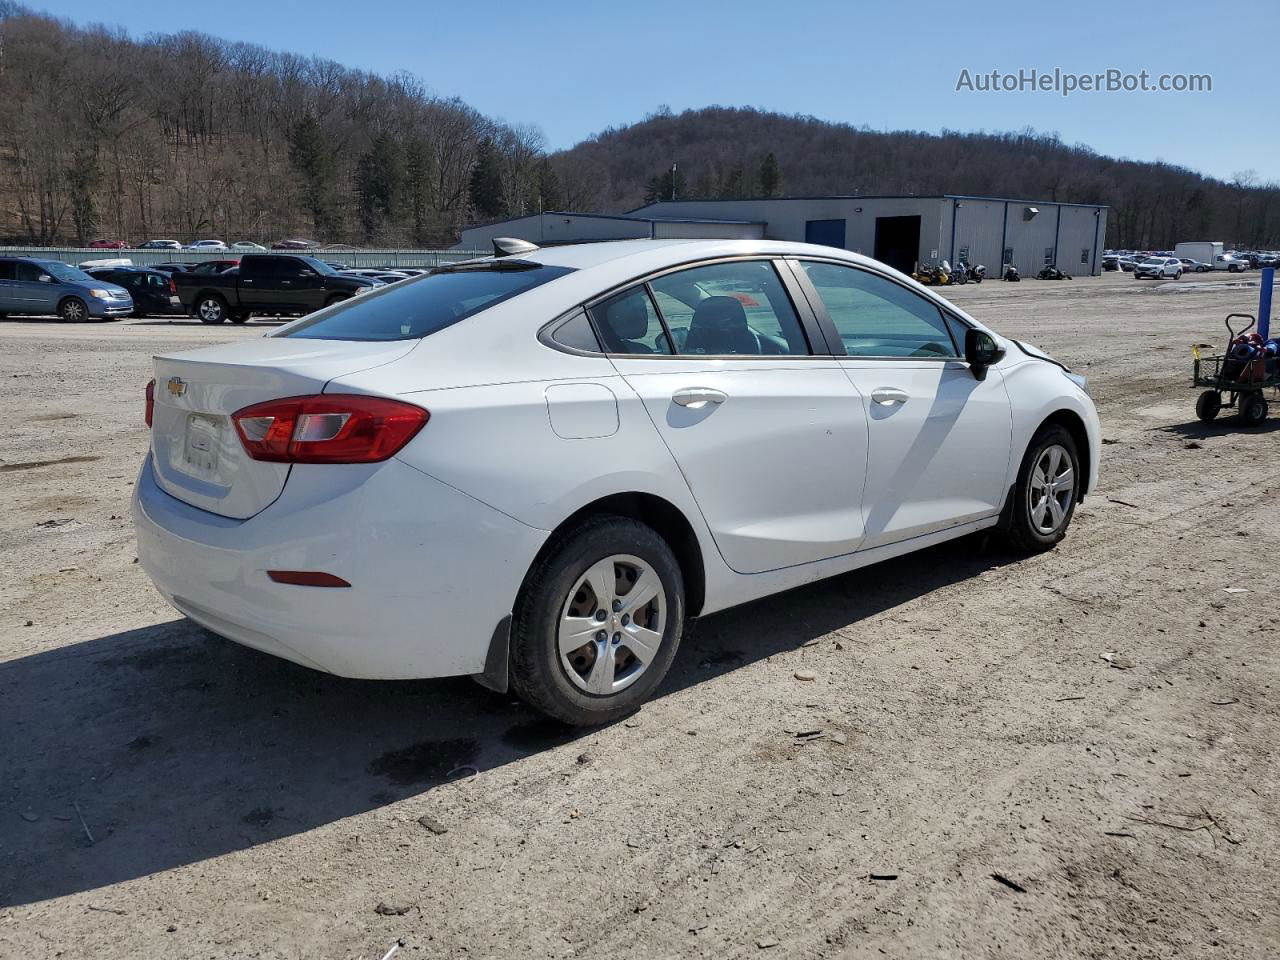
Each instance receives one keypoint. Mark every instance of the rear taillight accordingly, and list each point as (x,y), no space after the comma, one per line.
(328,428)
(151,401)
(173,287)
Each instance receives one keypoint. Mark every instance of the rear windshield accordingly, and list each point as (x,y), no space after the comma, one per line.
(417,308)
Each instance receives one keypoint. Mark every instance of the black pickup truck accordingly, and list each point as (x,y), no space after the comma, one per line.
(265,283)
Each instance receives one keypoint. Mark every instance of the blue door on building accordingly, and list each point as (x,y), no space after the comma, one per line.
(829,233)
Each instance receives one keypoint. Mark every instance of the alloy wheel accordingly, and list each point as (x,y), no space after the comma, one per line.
(73,311)
(611,624)
(1053,486)
(210,310)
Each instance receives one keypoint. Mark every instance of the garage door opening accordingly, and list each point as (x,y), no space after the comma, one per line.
(829,233)
(898,242)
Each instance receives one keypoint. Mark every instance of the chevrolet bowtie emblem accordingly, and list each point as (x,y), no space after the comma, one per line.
(177,387)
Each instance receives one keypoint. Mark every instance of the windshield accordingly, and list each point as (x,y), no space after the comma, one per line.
(319,266)
(418,308)
(60,271)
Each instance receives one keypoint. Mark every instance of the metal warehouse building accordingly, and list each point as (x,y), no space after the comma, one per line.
(903,231)
(554,227)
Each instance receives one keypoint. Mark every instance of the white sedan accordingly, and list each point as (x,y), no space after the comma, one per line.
(534,468)
(207,245)
(1158,268)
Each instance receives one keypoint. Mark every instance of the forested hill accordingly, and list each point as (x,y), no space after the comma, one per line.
(187,136)
(725,152)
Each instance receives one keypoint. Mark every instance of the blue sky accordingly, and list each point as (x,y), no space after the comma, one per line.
(574,68)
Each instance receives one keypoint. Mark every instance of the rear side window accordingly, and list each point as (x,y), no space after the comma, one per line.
(876,317)
(6,270)
(732,308)
(418,308)
(628,323)
(28,272)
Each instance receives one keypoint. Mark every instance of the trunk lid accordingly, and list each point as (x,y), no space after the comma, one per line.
(196,454)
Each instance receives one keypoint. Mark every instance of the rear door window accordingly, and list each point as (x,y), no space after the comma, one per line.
(418,308)
(877,317)
(28,272)
(6,270)
(735,308)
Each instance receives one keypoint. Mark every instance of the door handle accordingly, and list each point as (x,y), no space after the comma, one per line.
(698,397)
(889,396)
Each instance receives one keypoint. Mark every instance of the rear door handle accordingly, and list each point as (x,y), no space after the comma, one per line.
(889,396)
(698,397)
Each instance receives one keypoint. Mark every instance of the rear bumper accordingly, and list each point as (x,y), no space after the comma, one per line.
(432,571)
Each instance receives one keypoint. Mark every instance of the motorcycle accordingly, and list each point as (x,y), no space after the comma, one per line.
(958,275)
(973,273)
(1052,273)
(1011,273)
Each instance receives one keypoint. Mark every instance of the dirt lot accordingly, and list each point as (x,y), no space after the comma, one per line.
(1098,726)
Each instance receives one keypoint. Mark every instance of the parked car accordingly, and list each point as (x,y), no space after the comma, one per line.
(103,244)
(369,273)
(174,266)
(1158,268)
(266,283)
(1193,266)
(161,245)
(215,266)
(248,245)
(1127,263)
(349,502)
(207,245)
(153,291)
(1110,261)
(1229,262)
(295,244)
(36,287)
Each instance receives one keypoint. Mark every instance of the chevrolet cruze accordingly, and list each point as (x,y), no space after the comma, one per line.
(534,468)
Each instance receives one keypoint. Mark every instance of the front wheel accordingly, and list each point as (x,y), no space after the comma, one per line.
(73,310)
(597,622)
(1253,409)
(211,309)
(332,300)
(1208,405)
(1044,497)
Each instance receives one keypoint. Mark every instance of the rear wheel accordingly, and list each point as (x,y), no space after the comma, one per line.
(1253,408)
(338,299)
(73,310)
(211,309)
(1044,497)
(1208,404)
(598,622)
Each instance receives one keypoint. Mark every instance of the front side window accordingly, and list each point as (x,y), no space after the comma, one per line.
(737,308)
(28,272)
(418,308)
(877,317)
(628,323)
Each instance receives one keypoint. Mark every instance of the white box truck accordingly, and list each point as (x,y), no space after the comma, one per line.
(1206,251)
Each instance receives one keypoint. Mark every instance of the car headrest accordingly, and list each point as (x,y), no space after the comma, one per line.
(719,315)
(627,317)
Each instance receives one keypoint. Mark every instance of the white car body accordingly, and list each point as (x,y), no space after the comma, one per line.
(1158,268)
(248,245)
(782,469)
(207,245)
(1225,261)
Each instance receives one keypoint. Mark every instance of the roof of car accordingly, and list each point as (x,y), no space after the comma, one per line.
(584,255)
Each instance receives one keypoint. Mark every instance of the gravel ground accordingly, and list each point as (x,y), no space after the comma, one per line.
(1072,755)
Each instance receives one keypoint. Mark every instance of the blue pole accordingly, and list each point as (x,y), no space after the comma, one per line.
(1264,301)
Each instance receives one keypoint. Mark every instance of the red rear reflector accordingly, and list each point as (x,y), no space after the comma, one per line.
(151,400)
(328,428)
(173,287)
(307,578)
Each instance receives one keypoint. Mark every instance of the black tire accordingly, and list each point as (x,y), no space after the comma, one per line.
(1208,405)
(1018,528)
(337,299)
(1178,275)
(240,316)
(73,310)
(538,674)
(211,308)
(1253,409)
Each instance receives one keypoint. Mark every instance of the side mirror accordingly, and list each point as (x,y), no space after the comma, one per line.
(45,278)
(980,352)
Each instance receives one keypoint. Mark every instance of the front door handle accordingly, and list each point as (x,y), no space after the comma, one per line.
(698,397)
(889,396)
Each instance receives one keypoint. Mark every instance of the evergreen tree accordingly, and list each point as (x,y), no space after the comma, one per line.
(312,158)
(770,175)
(707,186)
(733,186)
(379,184)
(419,175)
(667,185)
(550,196)
(485,191)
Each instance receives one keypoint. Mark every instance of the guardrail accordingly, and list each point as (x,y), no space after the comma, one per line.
(145,258)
